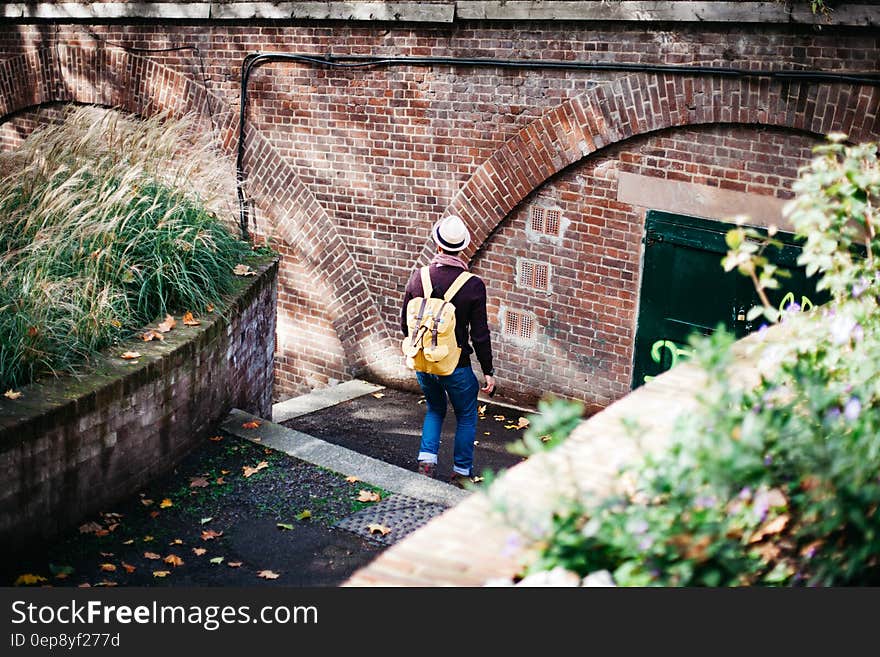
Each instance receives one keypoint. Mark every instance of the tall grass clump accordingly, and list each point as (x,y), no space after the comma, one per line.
(106,222)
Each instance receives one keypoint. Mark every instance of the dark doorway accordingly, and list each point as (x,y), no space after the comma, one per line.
(685,289)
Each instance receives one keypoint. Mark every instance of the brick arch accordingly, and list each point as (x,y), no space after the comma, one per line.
(642,103)
(113,77)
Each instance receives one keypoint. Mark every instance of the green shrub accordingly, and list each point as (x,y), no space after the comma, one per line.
(777,484)
(105,224)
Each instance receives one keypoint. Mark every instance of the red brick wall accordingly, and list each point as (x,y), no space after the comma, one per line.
(349,168)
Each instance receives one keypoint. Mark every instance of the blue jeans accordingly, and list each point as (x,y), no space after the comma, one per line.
(461,387)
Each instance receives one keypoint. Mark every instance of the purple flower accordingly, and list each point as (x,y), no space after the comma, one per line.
(768,460)
(638,526)
(704,501)
(761,507)
(511,546)
(793,307)
(745,493)
(860,287)
(833,414)
(645,543)
(842,328)
(852,409)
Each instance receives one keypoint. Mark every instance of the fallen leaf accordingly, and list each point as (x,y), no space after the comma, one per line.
(511,426)
(482,409)
(164,504)
(106,583)
(769,528)
(210,535)
(378,395)
(477,480)
(112,527)
(284,525)
(209,308)
(248,471)
(546,438)
(167,325)
(522,423)
(146,502)
(106,554)
(368,496)
(12,394)
(147,538)
(198,482)
(500,418)
(250,425)
(234,564)
(378,529)
(128,542)
(151,335)
(205,521)
(152,555)
(189,320)
(90,528)
(220,481)
(352,479)
(267,574)
(217,560)
(102,532)
(84,585)
(768,552)
(215,439)
(243,270)
(176,541)
(161,573)
(60,572)
(487,433)
(199,551)
(28,579)
(225,472)
(128,567)
(304,515)
(130,355)
(174,560)
(62,576)
(154,514)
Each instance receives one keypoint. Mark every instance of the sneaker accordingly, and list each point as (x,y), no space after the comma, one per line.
(460,480)
(426,468)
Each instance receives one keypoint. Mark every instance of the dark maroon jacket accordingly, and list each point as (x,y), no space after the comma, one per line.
(470,312)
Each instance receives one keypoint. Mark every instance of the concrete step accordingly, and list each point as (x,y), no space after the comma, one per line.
(320,399)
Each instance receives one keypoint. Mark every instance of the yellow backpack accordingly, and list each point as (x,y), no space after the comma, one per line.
(430,345)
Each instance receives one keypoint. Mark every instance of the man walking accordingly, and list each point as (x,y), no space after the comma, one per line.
(461,386)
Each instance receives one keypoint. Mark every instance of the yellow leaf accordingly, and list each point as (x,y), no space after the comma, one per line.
(128,542)
(130,355)
(12,394)
(164,504)
(482,409)
(108,567)
(522,423)
(210,535)
(152,555)
(477,480)
(29,579)
(146,502)
(174,560)
(368,496)
(352,479)
(234,564)
(210,308)
(189,320)
(167,325)
(147,538)
(161,573)
(199,551)
(769,528)
(220,481)
(215,439)
(267,574)
(152,335)
(500,418)
(128,567)
(487,433)
(243,270)
(378,529)
(176,541)
(378,395)
(248,471)
(198,482)
(250,425)
(511,426)
(224,472)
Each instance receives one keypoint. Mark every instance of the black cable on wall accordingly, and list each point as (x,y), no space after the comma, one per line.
(254,60)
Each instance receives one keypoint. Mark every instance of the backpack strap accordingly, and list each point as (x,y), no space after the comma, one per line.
(427,288)
(457,284)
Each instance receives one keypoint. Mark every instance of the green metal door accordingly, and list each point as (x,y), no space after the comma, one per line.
(685,289)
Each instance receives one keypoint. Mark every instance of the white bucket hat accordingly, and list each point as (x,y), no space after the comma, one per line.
(451,234)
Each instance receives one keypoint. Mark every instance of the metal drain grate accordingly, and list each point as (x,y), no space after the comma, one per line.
(399,513)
